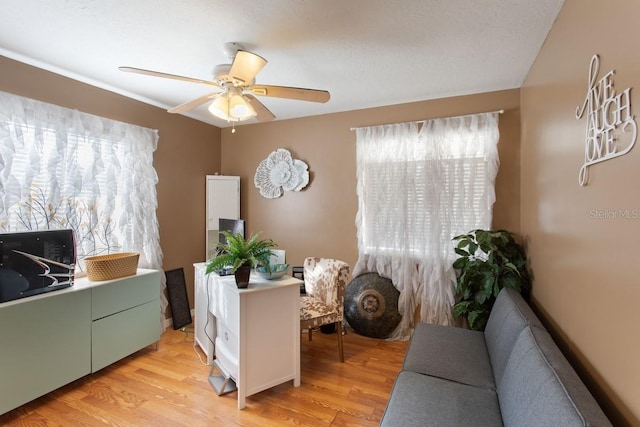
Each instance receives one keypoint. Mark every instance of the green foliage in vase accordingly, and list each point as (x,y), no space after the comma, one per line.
(237,252)
(489,261)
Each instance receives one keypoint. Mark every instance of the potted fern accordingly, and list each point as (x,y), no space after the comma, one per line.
(241,256)
(489,261)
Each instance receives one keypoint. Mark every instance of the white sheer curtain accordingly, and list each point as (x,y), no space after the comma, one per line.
(419,185)
(60,168)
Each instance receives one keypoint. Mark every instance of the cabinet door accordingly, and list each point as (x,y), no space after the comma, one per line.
(45,343)
(204,322)
(223,199)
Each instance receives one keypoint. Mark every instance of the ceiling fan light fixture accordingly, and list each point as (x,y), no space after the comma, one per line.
(241,108)
(232,107)
(234,99)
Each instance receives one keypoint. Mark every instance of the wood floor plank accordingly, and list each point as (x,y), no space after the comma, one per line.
(169,387)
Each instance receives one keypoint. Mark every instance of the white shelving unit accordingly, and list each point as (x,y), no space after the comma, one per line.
(223,201)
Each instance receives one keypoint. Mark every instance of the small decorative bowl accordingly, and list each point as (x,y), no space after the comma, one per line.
(277,271)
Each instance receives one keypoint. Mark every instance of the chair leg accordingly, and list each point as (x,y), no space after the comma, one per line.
(340,348)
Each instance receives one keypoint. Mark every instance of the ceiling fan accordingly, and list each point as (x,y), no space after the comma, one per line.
(234,98)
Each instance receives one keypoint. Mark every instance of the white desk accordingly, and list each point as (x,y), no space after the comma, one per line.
(257,330)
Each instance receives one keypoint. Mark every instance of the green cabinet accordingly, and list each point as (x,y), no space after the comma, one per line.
(50,340)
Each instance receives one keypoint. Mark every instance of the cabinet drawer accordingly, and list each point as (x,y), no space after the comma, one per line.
(117,336)
(228,337)
(225,304)
(124,293)
(227,358)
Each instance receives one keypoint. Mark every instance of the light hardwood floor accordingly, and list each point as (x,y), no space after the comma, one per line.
(169,387)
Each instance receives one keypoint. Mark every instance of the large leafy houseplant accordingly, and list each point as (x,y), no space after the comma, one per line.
(238,253)
(489,261)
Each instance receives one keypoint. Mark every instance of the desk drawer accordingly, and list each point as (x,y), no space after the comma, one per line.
(229,338)
(227,358)
(225,302)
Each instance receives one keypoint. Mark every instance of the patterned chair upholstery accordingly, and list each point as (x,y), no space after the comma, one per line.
(324,282)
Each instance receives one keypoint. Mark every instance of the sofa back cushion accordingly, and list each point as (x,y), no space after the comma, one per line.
(540,388)
(509,316)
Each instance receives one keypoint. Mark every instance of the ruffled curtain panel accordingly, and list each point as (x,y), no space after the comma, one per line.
(60,168)
(419,184)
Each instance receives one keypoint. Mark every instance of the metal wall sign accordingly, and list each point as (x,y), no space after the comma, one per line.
(611,128)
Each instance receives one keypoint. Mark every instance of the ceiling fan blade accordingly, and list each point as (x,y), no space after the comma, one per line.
(262,113)
(194,103)
(246,65)
(167,76)
(298,93)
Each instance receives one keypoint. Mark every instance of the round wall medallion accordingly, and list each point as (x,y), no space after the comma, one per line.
(280,172)
(371,305)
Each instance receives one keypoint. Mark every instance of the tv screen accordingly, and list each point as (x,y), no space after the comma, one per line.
(233,226)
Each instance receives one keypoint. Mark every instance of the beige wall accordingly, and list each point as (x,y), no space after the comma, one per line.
(586,268)
(320,220)
(187,151)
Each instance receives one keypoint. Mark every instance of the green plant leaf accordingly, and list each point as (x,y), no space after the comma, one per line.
(472,318)
(473,248)
(461,252)
(460,263)
(461,308)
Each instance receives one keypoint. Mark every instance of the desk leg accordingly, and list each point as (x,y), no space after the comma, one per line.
(296,336)
(241,398)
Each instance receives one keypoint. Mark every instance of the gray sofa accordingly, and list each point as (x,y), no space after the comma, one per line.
(511,374)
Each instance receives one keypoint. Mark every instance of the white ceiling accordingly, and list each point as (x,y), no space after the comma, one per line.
(366,53)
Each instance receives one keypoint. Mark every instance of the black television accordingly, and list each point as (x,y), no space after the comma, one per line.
(36,262)
(233,226)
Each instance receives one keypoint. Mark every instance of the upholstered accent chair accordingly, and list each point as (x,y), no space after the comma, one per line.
(325,281)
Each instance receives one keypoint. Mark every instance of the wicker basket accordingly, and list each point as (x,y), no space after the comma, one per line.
(107,267)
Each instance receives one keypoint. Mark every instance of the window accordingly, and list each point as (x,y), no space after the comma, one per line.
(419,185)
(64,169)
(461,208)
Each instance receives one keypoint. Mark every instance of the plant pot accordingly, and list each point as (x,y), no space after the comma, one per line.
(242,276)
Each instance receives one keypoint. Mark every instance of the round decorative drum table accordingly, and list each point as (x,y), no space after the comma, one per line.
(371,305)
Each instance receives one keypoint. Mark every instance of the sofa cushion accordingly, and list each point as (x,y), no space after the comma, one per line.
(450,353)
(509,316)
(421,400)
(540,388)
